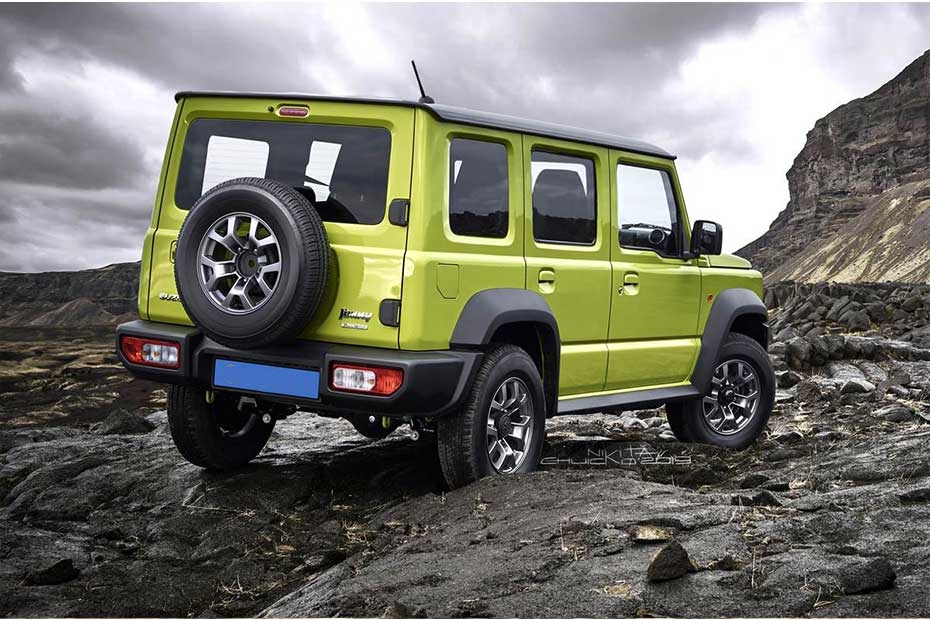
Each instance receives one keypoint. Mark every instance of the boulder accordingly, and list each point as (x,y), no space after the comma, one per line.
(786,334)
(870,576)
(671,562)
(857,386)
(895,413)
(121,422)
(858,321)
(61,571)
(798,352)
(787,378)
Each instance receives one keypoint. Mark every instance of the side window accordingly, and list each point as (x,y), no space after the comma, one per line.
(478,192)
(647,211)
(564,206)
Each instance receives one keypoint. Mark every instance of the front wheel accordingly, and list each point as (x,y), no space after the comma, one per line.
(225,433)
(740,401)
(501,428)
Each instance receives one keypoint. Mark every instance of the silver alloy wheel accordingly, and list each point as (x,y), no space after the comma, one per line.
(239,263)
(510,426)
(733,398)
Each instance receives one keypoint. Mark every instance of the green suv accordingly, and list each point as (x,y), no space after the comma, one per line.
(467,273)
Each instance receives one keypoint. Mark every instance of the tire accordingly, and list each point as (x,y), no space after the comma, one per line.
(216,436)
(372,430)
(688,420)
(463,437)
(676,413)
(273,304)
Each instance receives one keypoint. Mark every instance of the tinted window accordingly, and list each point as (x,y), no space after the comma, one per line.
(646,207)
(342,169)
(478,194)
(564,208)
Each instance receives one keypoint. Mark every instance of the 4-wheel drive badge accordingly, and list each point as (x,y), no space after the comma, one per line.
(347,314)
(169,297)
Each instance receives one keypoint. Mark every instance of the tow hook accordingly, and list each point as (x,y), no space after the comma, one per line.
(266,418)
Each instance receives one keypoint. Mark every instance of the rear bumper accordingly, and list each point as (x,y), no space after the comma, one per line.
(435,382)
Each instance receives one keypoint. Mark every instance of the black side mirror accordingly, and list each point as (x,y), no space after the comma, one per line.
(706,238)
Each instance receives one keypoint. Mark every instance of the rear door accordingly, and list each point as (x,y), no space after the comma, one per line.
(567,252)
(353,159)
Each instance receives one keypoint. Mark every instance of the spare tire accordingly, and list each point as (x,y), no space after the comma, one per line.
(251,263)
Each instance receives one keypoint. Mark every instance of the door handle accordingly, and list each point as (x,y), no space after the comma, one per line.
(547,281)
(630,284)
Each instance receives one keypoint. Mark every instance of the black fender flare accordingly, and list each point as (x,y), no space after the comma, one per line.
(728,306)
(487,311)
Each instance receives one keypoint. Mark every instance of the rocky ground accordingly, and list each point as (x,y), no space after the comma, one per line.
(826,516)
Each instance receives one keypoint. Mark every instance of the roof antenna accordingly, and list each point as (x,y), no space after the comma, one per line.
(424,98)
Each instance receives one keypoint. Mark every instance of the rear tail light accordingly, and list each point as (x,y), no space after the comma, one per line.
(367,379)
(151,352)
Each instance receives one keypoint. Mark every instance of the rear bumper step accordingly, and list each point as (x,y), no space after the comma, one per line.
(434,381)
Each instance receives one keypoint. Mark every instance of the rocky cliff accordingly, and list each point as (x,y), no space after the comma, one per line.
(86,298)
(859,192)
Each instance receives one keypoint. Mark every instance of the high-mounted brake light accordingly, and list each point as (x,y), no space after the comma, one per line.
(368,379)
(147,352)
(298,111)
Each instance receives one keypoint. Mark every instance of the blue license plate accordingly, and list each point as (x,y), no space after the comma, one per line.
(277,380)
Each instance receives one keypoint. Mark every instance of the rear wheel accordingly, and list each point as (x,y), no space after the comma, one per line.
(223,434)
(501,428)
(737,408)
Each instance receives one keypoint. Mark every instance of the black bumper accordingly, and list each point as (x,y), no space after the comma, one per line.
(434,381)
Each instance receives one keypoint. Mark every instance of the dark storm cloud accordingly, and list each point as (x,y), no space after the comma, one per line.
(43,146)
(178,46)
(591,65)
(47,228)
(606,64)
(603,66)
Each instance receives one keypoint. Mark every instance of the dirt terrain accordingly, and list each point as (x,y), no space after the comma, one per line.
(827,516)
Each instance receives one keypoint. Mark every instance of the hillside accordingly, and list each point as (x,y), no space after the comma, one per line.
(859,192)
(88,298)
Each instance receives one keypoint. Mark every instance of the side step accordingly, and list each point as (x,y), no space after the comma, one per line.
(640,399)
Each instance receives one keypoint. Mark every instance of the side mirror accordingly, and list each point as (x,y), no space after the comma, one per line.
(706,238)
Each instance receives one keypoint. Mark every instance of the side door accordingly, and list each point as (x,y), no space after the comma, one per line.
(653,339)
(567,252)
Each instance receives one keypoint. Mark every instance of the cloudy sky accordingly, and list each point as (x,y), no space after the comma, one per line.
(86,91)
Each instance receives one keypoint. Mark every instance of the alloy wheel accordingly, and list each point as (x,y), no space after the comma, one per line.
(734,397)
(239,263)
(510,426)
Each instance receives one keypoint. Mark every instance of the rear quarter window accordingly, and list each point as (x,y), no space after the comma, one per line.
(342,169)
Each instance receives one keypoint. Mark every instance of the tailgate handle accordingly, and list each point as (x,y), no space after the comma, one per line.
(398,211)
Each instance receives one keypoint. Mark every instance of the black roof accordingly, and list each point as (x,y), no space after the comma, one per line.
(465,116)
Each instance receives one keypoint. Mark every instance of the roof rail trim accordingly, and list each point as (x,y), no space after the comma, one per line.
(465,116)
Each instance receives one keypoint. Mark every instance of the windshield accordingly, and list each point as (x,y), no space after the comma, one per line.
(341,169)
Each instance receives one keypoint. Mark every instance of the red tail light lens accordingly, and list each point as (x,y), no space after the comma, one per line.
(297,111)
(366,379)
(146,352)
